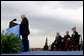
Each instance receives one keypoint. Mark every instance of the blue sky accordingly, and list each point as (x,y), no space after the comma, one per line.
(45,18)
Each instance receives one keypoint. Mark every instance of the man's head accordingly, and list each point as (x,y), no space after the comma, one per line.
(22,16)
(67,32)
(57,33)
(74,29)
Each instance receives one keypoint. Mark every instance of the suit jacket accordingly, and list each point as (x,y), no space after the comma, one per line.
(24,27)
(58,39)
(66,37)
(75,35)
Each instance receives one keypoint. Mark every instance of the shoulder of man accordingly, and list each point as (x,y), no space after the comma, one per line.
(69,35)
(65,35)
(26,20)
(76,32)
(60,36)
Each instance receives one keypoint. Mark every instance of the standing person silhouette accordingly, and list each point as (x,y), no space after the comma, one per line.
(24,30)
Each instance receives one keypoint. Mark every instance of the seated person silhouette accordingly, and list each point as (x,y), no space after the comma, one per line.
(66,37)
(58,40)
(53,46)
(75,38)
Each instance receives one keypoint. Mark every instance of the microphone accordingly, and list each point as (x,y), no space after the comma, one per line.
(12,24)
(14,19)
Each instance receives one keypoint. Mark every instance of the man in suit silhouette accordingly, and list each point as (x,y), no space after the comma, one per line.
(66,38)
(24,30)
(58,40)
(75,37)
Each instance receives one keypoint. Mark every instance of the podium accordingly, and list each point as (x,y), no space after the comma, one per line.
(16,30)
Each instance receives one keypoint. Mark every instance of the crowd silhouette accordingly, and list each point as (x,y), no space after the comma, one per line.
(66,42)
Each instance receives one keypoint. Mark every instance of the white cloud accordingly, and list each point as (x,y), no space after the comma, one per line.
(63,14)
(35,31)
